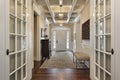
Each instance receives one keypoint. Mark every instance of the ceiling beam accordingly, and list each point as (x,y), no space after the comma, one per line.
(52,14)
(71,11)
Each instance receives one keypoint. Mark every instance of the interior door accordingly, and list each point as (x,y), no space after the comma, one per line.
(2,39)
(17,40)
(61,39)
(103,41)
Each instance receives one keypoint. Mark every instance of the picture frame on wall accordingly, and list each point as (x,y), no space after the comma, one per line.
(86,30)
(44,32)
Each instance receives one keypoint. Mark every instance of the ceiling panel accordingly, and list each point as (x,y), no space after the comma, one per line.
(55,9)
(67,2)
(54,2)
(41,2)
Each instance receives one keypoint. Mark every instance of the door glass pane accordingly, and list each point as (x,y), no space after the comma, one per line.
(12,43)
(101,74)
(19,1)
(96,10)
(101,9)
(97,57)
(18,43)
(24,2)
(24,57)
(24,13)
(54,39)
(12,77)
(24,28)
(24,71)
(12,62)
(108,77)
(108,63)
(12,6)
(108,24)
(96,71)
(68,37)
(108,43)
(19,10)
(19,74)
(101,43)
(102,59)
(18,59)
(108,8)
(12,24)
(24,43)
(101,26)
(96,28)
(19,26)
(96,13)
(96,42)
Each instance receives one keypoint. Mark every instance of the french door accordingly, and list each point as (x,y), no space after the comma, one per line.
(17,40)
(103,40)
(61,40)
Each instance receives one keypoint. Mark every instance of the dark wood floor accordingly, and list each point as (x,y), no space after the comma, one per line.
(59,74)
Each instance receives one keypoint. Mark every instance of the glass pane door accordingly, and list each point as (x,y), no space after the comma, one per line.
(102,38)
(17,40)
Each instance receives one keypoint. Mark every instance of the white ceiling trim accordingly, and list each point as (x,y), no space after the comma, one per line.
(52,14)
(70,13)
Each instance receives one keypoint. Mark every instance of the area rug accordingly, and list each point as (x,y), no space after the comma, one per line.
(59,60)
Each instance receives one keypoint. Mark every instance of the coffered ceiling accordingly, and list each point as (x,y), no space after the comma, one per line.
(61,11)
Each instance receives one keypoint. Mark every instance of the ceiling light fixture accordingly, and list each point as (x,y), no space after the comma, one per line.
(61,2)
(60,14)
(61,24)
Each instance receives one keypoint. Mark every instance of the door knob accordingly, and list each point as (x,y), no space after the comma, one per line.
(7,51)
(112,51)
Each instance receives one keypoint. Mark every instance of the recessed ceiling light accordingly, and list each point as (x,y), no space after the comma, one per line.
(60,14)
(61,2)
(61,24)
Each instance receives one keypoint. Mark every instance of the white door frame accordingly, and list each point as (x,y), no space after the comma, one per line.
(53,30)
(4,20)
(116,21)
(4,31)
(2,41)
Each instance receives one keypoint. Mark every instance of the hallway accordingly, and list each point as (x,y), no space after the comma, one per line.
(60,67)
(31,29)
(61,59)
(61,74)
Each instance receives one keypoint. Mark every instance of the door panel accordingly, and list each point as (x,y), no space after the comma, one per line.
(3,24)
(17,40)
(103,40)
(61,39)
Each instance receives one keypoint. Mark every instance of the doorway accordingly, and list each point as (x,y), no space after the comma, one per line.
(61,40)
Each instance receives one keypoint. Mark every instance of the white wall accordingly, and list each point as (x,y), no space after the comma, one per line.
(78,35)
(86,46)
(30,30)
(83,45)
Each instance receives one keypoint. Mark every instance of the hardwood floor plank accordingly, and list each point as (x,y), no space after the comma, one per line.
(58,74)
